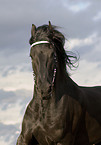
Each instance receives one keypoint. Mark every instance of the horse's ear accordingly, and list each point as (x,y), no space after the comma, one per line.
(50,26)
(33,29)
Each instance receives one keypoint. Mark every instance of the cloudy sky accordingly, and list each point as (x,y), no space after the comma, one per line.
(80,22)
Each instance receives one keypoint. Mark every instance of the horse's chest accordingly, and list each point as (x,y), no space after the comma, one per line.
(51,121)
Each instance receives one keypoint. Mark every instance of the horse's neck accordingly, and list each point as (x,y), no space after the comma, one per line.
(64,85)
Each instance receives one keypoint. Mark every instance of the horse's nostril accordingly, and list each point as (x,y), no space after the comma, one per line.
(41,92)
(49,90)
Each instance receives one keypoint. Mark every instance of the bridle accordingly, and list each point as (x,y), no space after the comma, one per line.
(54,72)
(39,42)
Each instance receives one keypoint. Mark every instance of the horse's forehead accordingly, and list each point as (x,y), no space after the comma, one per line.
(42,51)
(41,34)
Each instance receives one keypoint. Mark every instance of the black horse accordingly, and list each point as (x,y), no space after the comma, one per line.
(60,112)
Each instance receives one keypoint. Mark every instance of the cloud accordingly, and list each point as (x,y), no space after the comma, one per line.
(16,79)
(15,71)
(13,101)
(88,74)
(11,97)
(17,19)
(8,117)
(97,17)
(77,7)
(8,134)
(13,104)
(81,42)
(12,108)
(88,48)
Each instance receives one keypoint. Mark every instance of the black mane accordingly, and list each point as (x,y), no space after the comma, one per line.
(57,40)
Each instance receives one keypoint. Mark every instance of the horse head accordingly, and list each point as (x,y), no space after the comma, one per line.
(48,56)
(43,58)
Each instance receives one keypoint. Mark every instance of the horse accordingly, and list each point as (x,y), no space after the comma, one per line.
(61,112)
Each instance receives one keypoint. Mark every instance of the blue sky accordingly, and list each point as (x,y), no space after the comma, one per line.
(79,21)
